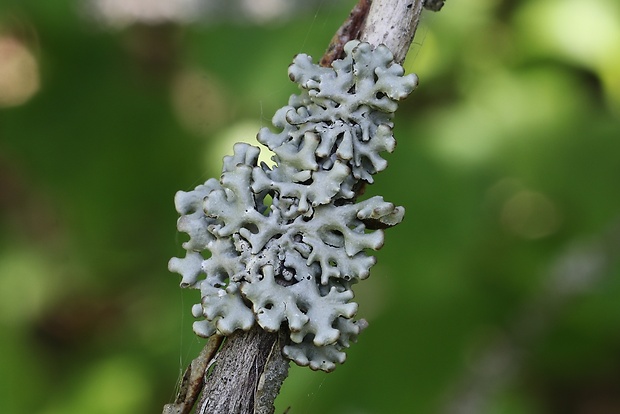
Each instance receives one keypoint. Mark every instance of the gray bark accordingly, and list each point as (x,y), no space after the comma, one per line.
(392,23)
(246,376)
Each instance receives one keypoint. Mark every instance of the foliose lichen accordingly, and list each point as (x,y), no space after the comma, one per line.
(282,246)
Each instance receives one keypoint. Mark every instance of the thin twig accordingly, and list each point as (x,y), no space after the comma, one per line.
(193,378)
(349,30)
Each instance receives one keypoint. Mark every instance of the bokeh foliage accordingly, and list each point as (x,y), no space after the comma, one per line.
(508,160)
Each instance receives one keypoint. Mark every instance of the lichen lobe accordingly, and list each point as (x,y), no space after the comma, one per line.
(283,245)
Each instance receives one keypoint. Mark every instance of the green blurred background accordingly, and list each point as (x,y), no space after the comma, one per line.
(500,292)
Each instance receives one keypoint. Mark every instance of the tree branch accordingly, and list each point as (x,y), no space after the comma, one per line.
(392,23)
(245,375)
(193,379)
(349,30)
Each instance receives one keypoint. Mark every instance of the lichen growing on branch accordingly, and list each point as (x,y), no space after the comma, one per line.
(282,246)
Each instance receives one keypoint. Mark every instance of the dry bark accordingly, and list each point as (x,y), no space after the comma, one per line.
(247,374)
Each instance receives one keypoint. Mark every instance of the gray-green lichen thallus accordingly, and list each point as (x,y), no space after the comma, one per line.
(282,245)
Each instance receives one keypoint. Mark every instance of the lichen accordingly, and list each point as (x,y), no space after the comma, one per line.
(282,246)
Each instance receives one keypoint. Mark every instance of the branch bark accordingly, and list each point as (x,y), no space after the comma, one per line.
(392,23)
(245,375)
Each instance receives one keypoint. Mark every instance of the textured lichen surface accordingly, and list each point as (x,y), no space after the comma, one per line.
(283,245)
